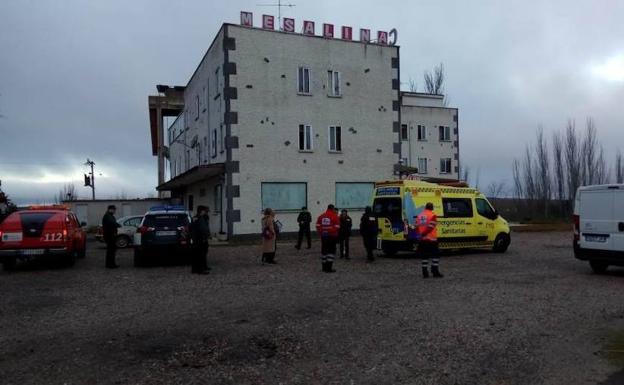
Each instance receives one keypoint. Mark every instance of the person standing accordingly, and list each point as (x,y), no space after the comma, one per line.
(426,223)
(269,236)
(304,219)
(345,233)
(328,227)
(368,231)
(200,234)
(109,230)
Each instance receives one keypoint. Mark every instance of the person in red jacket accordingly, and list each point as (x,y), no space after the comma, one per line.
(328,227)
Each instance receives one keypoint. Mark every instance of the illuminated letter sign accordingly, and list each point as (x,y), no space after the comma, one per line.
(382,37)
(328,30)
(393,34)
(289,25)
(347,33)
(268,22)
(247,19)
(308,27)
(365,35)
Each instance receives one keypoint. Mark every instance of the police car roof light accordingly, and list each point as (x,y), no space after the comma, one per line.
(167,208)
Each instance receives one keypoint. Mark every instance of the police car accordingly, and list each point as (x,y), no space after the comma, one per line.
(42,232)
(164,231)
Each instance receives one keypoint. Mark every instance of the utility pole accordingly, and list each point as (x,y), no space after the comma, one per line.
(90,180)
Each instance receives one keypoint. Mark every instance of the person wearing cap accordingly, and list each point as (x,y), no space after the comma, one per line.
(304,219)
(200,234)
(109,230)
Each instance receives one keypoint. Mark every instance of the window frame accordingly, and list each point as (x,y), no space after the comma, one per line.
(444,133)
(337,137)
(372,185)
(334,80)
(404,132)
(305,138)
(196,107)
(301,85)
(426,166)
(453,215)
(217,198)
(422,137)
(213,143)
(443,162)
(295,209)
(493,215)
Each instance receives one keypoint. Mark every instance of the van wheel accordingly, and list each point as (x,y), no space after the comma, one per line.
(82,253)
(9,264)
(122,242)
(139,260)
(389,250)
(598,267)
(501,243)
(69,260)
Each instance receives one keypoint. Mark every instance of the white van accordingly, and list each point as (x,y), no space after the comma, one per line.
(599,226)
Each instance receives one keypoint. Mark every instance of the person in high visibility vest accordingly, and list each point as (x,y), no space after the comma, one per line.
(426,224)
(328,227)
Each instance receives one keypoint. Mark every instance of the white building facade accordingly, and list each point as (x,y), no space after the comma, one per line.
(285,120)
(429,135)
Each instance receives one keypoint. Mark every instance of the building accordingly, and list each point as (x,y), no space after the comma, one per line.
(92,211)
(429,135)
(284,120)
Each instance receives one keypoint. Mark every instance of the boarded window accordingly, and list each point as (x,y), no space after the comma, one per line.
(353,195)
(284,196)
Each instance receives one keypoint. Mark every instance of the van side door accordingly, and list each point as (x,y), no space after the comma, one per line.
(456,225)
(618,220)
(486,216)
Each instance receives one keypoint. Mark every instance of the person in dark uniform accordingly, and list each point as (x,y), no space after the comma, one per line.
(368,230)
(109,230)
(345,233)
(200,234)
(304,219)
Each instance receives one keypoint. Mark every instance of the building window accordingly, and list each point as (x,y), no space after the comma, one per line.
(333,83)
(305,137)
(221,137)
(205,96)
(216,83)
(303,80)
(445,166)
(335,139)
(353,195)
(284,196)
(188,160)
(404,132)
(218,198)
(422,132)
(214,143)
(422,165)
(445,134)
(206,149)
(196,107)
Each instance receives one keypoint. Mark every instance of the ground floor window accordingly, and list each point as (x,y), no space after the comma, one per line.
(218,198)
(422,165)
(284,195)
(353,195)
(445,166)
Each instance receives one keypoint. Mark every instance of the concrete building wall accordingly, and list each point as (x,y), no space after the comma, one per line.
(431,148)
(270,111)
(92,212)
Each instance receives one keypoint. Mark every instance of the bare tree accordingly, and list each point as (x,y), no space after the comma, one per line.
(602,172)
(558,167)
(67,193)
(517,179)
(589,151)
(413,86)
(619,168)
(573,160)
(434,81)
(496,189)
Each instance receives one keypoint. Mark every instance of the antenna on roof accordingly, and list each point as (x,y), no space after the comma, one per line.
(279,6)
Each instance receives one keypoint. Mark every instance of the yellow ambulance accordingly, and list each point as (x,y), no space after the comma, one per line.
(465,217)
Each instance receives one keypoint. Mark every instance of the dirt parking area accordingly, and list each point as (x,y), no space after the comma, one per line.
(534,315)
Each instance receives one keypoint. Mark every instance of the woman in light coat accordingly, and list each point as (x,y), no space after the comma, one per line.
(268,236)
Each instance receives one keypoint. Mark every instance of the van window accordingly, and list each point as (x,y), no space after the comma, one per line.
(484,209)
(457,207)
(390,208)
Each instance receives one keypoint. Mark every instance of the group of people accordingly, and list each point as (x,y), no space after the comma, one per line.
(333,228)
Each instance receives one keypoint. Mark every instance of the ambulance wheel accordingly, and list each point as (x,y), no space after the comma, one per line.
(9,264)
(389,250)
(501,243)
(598,267)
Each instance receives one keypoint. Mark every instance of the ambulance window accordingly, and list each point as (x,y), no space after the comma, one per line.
(457,207)
(484,209)
(390,208)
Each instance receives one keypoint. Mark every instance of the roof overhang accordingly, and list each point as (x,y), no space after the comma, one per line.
(194,175)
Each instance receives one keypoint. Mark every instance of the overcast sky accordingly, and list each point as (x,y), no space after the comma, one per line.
(75,75)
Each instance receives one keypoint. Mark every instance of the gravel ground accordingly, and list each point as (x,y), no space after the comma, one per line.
(534,315)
